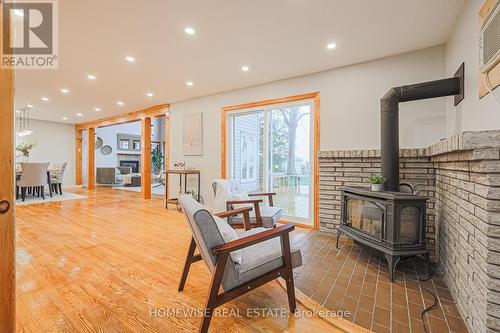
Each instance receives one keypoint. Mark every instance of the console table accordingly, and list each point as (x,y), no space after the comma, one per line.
(181,173)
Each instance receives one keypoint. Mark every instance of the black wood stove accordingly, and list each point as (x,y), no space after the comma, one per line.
(391,221)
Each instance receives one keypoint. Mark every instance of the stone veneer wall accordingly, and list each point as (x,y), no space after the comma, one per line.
(461,175)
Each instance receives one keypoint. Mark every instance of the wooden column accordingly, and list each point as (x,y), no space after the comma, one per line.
(91,157)
(146,157)
(7,225)
(78,151)
(167,141)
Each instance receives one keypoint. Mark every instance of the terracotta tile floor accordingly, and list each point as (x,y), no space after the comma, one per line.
(351,279)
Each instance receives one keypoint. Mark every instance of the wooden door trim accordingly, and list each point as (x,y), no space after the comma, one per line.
(315,96)
(7,184)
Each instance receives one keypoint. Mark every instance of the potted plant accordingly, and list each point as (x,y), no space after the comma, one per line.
(25,149)
(377,182)
(157,161)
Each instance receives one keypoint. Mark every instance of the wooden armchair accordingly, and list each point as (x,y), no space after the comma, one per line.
(229,195)
(273,258)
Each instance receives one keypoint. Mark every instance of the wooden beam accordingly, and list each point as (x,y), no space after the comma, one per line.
(78,155)
(146,157)
(91,157)
(153,111)
(7,225)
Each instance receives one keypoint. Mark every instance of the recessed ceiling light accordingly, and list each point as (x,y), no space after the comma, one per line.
(245,68)
(189,31)
(79,114)
(64,118)
(96,109)
(150,94)
(45,99)
(18,111)
(29,106)
(120,103)
(64,91)
(130,59)
(331,46)
(91,77)
(190,83)
(19,12)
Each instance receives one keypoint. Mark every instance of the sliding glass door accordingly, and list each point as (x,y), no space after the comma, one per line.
(270,150)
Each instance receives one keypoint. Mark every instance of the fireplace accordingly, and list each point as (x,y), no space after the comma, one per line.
(392,223)
(135,165)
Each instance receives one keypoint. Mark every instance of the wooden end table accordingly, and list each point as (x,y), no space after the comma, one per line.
(185,173)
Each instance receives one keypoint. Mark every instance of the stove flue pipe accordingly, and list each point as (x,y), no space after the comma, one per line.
(389,120)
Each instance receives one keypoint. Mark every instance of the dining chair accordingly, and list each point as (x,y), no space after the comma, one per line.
(238,263)
(56,176)
(34,176)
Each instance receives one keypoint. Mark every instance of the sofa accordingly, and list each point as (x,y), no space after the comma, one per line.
(111,176)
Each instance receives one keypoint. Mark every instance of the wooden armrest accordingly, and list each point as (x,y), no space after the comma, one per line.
(268,194)
(233,202)
(253,239)
(234,212)
(261,194)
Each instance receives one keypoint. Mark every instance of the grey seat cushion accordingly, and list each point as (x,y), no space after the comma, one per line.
(261,258)
(269,215)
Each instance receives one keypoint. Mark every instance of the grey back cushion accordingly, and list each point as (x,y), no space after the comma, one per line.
(207,236)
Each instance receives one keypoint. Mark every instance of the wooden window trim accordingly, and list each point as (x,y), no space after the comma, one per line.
(315,96)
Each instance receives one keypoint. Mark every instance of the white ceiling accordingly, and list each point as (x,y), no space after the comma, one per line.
(277,39)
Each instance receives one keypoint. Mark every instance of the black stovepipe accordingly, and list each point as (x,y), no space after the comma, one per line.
(389,120)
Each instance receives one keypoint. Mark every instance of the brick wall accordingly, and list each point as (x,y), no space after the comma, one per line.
(353,168)
(461,175)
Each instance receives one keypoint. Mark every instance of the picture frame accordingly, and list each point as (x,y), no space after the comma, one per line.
(192,135)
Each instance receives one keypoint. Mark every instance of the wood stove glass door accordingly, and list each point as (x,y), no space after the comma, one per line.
(409,232)
(366,216)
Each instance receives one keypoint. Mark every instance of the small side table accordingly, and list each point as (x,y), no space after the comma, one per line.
(180,172)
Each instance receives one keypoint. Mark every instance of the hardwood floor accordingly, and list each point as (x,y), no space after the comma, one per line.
(112,263)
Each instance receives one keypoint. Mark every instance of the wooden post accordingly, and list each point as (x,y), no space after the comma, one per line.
(7,225)
(167,141)
(78,162)
(91,157)
(167,152)
(146,157)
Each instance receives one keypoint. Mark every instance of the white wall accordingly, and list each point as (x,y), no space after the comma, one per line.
(472,113)
(349,108)
(55,143)
(108,135)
